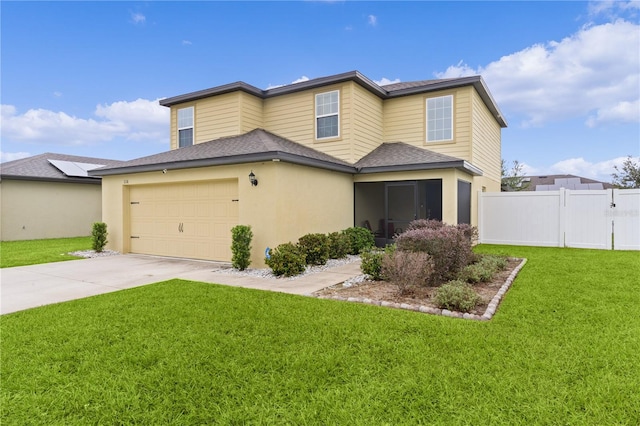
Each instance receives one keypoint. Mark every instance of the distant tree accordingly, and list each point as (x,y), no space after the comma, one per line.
(513,179)
(628,176)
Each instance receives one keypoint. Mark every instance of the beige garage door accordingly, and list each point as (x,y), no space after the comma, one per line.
(191,220)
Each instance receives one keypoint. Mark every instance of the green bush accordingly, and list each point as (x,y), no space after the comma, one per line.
(359,239)
(372,261)
(316,247)
(456,296)
(483,270)
(339,245)
(241,236)
(287,259)
(408,270)
(99,236)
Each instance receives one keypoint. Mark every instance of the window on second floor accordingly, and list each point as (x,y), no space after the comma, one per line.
(440,119)
(328,115)
(185,127)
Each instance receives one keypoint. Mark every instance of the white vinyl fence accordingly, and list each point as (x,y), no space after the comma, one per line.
(603,219)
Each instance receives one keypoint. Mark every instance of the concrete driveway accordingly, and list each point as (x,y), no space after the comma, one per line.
(25,287)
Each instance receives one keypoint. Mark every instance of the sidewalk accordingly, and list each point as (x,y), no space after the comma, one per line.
(303,285)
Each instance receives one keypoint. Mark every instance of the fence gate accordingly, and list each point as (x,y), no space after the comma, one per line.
(606,219)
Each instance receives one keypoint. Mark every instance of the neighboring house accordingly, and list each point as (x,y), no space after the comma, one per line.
(49,196)
(324,155)
(555,182)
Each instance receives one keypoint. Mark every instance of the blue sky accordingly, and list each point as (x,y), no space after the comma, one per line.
(84,78)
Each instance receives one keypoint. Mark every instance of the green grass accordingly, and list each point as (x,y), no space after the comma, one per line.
(563,348)
(32,252)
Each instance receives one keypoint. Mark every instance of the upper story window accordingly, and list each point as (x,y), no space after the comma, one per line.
(185,127)
(440,119)
(328,115)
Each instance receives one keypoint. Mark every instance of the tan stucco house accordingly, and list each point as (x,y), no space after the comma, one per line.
(50,196)
(315,156)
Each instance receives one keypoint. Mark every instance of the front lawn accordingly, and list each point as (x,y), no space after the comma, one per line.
(563,348)
(32,252)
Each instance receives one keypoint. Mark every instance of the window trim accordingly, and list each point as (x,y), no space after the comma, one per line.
(426,115)
(192,126)
(317,116)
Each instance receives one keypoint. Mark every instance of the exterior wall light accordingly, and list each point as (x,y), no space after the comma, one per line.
(252,179)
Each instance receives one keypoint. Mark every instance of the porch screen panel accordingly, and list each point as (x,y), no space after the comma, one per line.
(464,202)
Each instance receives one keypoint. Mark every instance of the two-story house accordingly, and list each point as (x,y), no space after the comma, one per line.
(315,156)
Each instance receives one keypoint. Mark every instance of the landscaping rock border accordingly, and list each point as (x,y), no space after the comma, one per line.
(488,313)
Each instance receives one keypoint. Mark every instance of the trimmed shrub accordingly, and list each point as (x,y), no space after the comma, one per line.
(287,259)
(99,236)
(339,245)
(483,270)
(241,236)
(407,270)
(372,261)
(359,239)
(476,273)
(316,247)
(449,247)
(456,296)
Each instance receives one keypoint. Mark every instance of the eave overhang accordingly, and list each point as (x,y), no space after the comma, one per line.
(476,81)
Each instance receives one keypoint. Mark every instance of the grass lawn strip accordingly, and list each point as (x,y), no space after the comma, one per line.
(33,252)
(563,349)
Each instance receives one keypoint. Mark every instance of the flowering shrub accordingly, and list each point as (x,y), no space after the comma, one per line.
(316,247)
(449,247)
(407,270)
(287,259)
(456,296)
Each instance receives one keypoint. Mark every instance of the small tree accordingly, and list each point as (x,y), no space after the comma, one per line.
(513,180)
(241,236)
(629,176)
(99,236)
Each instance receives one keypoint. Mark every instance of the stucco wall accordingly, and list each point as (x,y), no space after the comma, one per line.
(289,201)
(34,210)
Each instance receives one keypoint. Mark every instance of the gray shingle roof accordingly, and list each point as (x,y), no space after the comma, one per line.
(384,92)
(397,156)
(256,145)
(551,181)
(39,168)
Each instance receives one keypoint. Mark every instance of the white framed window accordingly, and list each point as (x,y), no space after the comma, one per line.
(440,119)
(185,127)
(328,115)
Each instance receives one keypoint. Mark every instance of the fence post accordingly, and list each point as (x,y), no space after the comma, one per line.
(480,218)
(562,220)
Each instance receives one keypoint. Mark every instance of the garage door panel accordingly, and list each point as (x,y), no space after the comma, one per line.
(191,220)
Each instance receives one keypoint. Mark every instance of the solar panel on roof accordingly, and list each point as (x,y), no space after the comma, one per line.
(74,168)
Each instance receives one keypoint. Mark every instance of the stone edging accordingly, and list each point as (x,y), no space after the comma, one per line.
(488,313)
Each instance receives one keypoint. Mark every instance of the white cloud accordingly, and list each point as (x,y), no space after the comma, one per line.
(384,81)
(138,18)
(186,43)
(593,73)
(298,80)
(57,94)
(372,20)
(138,120)
(10,156)
(612,7)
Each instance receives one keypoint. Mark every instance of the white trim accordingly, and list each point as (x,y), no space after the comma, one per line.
(317,116)
(192,126)
(427,119)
